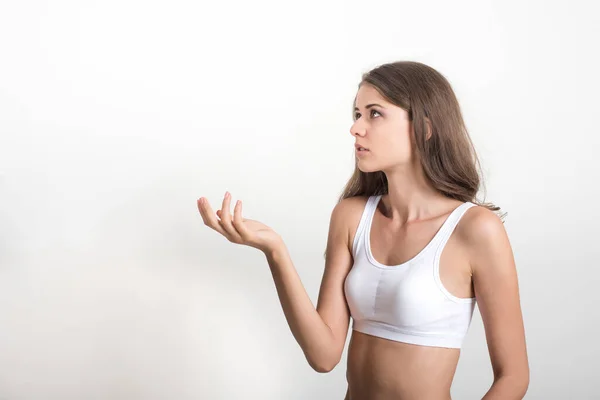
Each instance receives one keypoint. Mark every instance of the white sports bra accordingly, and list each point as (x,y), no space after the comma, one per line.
(406,302)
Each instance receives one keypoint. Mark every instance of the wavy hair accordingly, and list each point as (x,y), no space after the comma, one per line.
(448,158)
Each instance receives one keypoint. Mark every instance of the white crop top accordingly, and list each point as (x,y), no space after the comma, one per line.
(406,302)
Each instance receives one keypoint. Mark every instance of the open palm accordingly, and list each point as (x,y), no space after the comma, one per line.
(236,229)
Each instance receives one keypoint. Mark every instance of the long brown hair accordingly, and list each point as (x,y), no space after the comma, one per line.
(448,157)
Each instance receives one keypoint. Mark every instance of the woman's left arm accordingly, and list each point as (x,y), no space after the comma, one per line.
(497,292)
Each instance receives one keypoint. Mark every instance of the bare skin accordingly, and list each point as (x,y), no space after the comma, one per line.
(477,261)
(382,369)
(378,368)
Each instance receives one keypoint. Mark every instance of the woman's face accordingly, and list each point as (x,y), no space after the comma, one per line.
(384,129)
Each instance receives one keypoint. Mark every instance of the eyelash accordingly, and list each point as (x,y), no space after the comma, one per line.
(355,115)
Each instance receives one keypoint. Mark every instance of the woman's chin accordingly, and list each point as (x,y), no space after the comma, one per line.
(364,169)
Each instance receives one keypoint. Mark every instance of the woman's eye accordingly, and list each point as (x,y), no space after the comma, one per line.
(357,115)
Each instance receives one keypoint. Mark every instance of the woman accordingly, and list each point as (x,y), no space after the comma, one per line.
(409,251)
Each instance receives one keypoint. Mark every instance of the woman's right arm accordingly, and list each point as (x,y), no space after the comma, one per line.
(321,332)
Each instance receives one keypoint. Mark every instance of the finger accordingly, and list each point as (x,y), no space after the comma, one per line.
(232,218)
(238,221)
(209,217)
(225,221)
(232,221)
(225,205)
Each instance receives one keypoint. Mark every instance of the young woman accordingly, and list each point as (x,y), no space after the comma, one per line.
(409,253)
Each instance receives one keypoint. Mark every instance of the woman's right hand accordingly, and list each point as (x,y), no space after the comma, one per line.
(236,229)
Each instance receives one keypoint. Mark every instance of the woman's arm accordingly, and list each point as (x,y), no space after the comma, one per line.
(320,332)
(497,292)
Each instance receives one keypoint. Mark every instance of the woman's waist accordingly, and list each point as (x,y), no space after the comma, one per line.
(382,365)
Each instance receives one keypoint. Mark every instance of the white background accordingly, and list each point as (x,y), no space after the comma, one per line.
(116,116)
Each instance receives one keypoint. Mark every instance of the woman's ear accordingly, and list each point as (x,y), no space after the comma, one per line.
(429,128)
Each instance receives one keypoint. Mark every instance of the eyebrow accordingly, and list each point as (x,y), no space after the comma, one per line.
(369,106)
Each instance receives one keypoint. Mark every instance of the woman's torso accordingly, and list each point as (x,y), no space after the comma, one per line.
(378,368)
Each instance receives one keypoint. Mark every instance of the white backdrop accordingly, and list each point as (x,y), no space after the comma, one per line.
(116,116)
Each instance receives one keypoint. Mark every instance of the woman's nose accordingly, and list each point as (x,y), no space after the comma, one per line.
(356,130)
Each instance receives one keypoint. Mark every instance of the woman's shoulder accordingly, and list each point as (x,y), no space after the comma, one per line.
(350,206)
(349,212)
(478,224)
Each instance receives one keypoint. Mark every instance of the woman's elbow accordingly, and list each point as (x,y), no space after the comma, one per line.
(322,366)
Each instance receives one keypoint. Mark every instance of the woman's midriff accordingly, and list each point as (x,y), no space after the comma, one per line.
(381,369)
